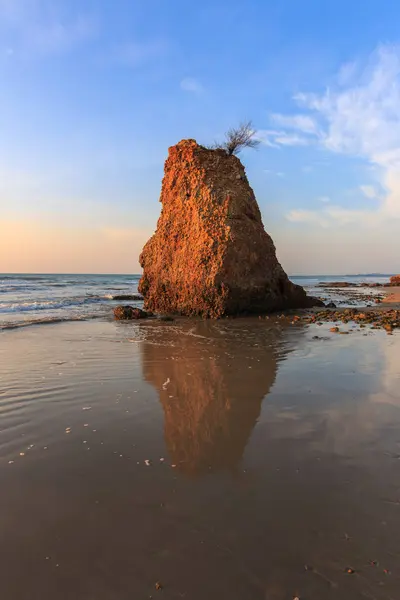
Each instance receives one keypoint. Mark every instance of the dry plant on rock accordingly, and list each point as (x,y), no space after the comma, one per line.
(238,138)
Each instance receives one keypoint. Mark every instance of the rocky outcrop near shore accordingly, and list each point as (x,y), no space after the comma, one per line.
(127,313)
(210,255)
(394,281)
(128,297)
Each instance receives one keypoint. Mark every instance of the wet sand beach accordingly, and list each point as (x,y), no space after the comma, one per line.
(392,296)
(232,459)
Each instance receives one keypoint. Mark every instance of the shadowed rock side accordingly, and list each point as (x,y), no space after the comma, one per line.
(211,389)
(210,254)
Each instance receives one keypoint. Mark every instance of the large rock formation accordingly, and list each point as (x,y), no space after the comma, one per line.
(210,254)
(395,280)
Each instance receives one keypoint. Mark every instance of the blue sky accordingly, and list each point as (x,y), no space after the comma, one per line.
(93,93)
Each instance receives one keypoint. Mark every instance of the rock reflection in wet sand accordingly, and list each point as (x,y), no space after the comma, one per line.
(211,388)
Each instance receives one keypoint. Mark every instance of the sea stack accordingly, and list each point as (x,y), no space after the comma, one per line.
(210,254)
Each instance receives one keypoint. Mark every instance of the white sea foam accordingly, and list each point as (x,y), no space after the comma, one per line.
(38,299)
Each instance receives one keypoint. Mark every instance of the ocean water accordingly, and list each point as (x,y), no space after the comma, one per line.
(27,299)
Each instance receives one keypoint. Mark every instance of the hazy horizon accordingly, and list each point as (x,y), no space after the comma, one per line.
(139,274)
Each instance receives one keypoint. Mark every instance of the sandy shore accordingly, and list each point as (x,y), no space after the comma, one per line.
(209,459)
(392,296)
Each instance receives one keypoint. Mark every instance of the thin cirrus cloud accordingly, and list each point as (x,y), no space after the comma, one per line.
(190,84)
(275,173)
(303,123)
(369,191)
(279,138)
(332,214)
(290,130)
(61,37)
(359,117)
(285,139)
(36,29)
(135,54)
(302,215)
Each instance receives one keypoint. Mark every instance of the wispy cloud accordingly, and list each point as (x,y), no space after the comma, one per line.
(277,138)
(303,123)
(308,216)
(135,53)
(369,191)
(290,130)
(291,139)
(360,117)
(38,28)
(275,173)
(336,215)
(363,119)
(59,37)
(324,199)
(190,84)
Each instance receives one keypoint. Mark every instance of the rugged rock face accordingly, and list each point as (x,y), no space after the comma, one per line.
(129,312)
(395,280)
(210,254)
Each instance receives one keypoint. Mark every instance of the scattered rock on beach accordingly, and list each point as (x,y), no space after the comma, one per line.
(210,255)
(377,318)
(129,312)
(128,297)
(336,284)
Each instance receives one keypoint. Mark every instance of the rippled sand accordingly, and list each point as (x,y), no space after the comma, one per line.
(237,459)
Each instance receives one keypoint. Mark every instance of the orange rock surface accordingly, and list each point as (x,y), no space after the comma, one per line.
(210,254)
(209,414)
(395,280)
